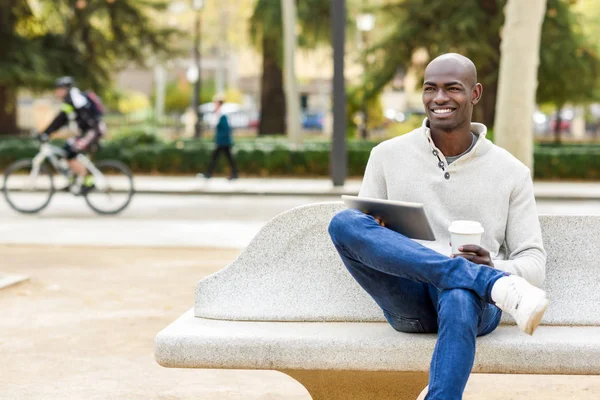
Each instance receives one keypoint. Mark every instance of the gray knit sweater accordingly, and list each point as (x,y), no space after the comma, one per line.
(487,184)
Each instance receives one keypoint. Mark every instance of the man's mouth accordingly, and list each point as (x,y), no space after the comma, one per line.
(441,112)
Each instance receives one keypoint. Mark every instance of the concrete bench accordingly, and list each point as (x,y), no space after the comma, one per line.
(288,304)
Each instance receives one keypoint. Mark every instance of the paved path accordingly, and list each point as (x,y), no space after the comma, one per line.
(83,328)
(177,220)
(323,187)
(190,185)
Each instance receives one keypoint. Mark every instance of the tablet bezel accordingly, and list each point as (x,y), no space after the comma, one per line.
(406,218)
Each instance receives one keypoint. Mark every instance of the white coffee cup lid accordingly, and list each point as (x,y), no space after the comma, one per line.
(466,227)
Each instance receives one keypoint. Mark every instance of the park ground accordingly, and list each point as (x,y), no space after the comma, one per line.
(83,328)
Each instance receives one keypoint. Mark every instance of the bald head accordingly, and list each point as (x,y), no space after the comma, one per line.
(450,92)
(453,63)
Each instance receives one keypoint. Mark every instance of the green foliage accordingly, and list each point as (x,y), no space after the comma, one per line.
(469,27)
(569,62)
(131,138)
(145,153)
(266,32)
(89,40)
(27,53)
(179,94)
(354,101)
(312,16)
(569,162)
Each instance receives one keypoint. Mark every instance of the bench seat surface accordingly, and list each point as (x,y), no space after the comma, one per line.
(192,342)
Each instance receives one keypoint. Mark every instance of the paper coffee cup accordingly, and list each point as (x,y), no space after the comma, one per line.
(464,232)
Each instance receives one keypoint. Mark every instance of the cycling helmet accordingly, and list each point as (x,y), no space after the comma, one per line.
(64,82)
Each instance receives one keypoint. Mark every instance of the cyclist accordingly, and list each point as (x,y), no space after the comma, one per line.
(87,113)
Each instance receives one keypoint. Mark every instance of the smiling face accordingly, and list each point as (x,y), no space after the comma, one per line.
(450,91)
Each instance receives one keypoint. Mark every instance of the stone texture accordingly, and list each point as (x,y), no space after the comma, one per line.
(288,304)
(291,272)
(192,342)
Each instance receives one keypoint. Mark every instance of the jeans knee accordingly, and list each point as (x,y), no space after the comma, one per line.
(460,306)
(341,224)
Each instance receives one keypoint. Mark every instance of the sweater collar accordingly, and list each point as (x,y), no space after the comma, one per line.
(482,145)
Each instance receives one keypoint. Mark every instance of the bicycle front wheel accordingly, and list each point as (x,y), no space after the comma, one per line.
(26,190)
(112,192)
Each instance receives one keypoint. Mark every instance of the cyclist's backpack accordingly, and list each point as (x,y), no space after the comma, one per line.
(96,102)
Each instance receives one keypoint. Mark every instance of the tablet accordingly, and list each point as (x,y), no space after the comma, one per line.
(409,219)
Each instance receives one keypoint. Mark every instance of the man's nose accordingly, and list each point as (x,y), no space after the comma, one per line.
(440,96)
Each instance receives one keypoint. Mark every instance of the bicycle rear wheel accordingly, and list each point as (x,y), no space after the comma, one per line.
(28,192)
(113,192)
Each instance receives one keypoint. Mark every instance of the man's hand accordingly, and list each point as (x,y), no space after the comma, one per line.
(476,254)
(380,221)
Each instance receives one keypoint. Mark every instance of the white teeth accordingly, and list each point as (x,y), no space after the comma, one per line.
(442,111)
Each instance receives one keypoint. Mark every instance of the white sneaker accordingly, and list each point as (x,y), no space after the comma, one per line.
(525,302)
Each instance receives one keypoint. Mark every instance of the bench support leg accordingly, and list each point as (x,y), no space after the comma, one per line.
(360,385)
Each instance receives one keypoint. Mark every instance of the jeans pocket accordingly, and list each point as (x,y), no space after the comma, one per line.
(402,324)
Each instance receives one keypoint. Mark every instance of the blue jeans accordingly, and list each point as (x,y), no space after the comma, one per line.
(421,291)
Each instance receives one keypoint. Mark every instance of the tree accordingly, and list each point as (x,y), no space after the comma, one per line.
(87,39)
(292,99)
(570,65)
(10,16)
(266,32)
(26,57)
(469,27)
(111,34)
(472,28)
(518,77)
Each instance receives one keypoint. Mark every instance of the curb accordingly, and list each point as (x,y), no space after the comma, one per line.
(556,197)
(545,195)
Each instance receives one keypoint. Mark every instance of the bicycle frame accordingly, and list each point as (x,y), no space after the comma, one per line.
(53,154)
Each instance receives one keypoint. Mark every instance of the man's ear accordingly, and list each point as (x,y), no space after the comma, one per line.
(476,94)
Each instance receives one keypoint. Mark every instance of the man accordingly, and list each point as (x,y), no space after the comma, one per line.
(79,107)
(450,166)
(224,143)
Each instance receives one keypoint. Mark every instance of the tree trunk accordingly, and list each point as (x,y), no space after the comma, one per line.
(8,110)
(485,111)
(520,56)
(557,123)
(272,99)
(292,98)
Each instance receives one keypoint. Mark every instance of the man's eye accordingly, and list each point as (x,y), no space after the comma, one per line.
(428,89)
(454,89)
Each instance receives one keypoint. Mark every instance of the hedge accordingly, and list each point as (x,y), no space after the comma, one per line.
(274,157)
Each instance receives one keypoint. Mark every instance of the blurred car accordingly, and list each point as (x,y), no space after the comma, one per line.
(313,120)
(541,122)
(566,117)
(238,116)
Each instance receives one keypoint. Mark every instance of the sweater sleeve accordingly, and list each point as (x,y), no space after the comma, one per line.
(373,184)
(523,238)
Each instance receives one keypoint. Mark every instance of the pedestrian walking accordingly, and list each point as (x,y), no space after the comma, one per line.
(224,143)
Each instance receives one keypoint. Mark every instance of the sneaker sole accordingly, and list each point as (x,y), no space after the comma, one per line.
(536,316)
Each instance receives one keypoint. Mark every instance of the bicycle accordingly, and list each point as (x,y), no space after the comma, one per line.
(26,178)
